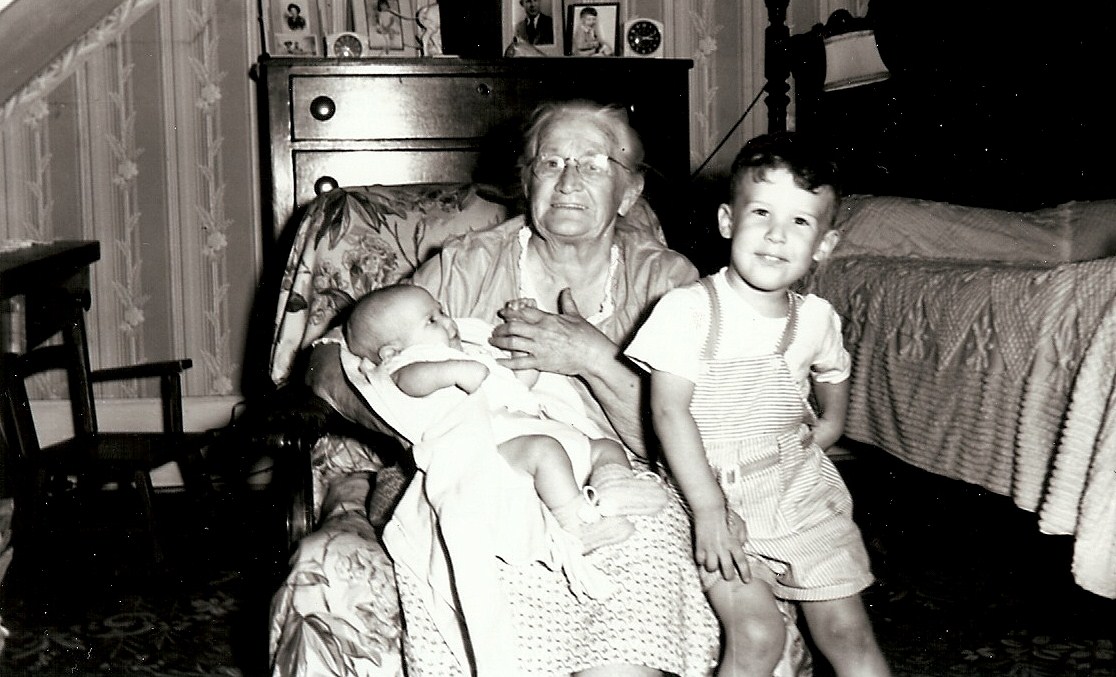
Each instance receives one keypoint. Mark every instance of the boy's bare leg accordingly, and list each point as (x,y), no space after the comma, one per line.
(843,632)
(753,626)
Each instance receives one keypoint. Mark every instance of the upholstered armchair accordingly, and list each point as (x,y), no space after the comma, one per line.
(338,610)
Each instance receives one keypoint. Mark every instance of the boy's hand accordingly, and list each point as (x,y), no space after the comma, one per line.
(738,529)
(719,538)
(825,433)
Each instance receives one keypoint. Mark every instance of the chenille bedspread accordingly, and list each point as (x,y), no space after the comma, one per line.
(1002,375)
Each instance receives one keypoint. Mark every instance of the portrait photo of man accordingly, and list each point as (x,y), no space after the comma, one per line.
(537,27)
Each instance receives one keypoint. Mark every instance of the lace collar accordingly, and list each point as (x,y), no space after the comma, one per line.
(607,303)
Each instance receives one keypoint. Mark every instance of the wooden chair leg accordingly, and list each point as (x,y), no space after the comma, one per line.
(29,530)
(146,491)
(195,477)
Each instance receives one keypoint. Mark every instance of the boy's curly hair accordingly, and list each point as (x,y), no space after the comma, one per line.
(791,151)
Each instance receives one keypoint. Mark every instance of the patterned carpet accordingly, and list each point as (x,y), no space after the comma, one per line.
(967,588)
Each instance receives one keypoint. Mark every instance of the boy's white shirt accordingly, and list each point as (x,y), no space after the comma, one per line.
(672,337)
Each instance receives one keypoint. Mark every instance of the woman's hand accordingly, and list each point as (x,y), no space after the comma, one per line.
(562,343)
(566,343)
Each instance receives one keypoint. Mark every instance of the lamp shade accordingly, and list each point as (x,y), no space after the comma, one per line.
(852,59)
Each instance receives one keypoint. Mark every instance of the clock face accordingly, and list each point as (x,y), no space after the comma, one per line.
(644,37)
(347,45)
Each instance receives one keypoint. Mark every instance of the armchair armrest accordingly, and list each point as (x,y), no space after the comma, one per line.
(283,426)
(294,427)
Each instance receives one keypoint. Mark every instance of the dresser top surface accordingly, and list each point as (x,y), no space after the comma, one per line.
(452,65)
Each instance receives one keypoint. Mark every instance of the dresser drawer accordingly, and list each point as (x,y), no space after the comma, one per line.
(384,107)
(362,168)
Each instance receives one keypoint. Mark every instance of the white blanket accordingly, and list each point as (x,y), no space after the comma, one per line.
(464,507)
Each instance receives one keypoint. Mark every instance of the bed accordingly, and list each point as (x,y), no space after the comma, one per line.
(976,276)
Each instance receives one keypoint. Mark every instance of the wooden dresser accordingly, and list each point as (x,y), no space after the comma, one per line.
(337,122)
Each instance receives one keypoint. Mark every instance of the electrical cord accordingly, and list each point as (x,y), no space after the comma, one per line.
(729,134)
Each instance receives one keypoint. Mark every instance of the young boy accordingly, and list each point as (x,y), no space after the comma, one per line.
(400,332)
(731,359)
(586,35)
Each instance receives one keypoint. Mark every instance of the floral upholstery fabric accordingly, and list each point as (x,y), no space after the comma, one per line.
(354,240)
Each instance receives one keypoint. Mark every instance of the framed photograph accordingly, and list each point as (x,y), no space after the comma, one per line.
(592,28)
(296,44)
(533,23)
(391,28)
(292,27)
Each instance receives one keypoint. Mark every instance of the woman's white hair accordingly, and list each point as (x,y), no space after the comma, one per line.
(610,119)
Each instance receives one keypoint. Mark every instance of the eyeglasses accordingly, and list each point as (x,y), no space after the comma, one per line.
(591,168)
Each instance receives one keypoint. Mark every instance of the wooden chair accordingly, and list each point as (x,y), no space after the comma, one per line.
(92,458)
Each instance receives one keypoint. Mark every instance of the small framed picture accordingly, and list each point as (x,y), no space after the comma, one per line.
(291,27)
(592,28)
(389,25)
(295,44)
(533,26)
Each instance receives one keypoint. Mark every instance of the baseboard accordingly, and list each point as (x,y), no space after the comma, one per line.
(53,421)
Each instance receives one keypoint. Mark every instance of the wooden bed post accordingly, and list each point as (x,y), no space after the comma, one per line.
(776,67)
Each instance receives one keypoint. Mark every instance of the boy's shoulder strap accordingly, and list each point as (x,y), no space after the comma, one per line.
(712,332)
(791,328)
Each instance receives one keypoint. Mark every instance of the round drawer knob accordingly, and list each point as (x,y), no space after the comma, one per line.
(484,89)
(324,185)
(322,108)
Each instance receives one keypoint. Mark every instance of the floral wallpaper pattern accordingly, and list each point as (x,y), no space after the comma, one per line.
(123,139)
(705,31)
(127,288)
(217,356)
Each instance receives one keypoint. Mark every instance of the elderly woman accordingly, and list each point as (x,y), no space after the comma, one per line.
(593,275)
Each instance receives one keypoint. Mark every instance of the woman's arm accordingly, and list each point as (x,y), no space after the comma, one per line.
(566,343)
(718,543)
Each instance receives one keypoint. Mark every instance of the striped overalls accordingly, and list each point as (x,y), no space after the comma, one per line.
(754,424)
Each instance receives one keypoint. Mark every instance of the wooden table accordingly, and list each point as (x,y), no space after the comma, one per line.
(52,281)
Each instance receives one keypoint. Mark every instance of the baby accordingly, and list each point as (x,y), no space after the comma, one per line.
(401,332)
